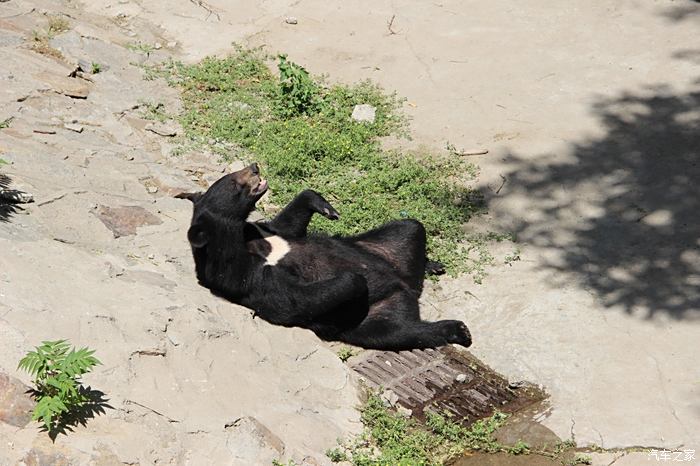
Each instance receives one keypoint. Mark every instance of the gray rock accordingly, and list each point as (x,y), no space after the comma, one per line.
(16,405)
(254,441)
(364,112)
(74,127)
(162,129)
(44,130)
(291,20)
(123,221)
(10,40)
(389,398)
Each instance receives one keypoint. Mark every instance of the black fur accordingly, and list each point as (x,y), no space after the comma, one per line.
(361,289)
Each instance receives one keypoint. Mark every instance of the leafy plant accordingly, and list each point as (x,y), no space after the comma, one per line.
(141,47)
(391,438)
(336,455)
(57,369)
(579,458)
(520,448)
(6,122)
(300,94)
(345,353)
(95,68)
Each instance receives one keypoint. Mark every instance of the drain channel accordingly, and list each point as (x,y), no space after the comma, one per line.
(443,380)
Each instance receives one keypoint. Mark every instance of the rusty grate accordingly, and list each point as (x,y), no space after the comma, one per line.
(443,380)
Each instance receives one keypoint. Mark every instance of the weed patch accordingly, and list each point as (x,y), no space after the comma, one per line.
(153,111)
(141,47)
(40,39)
(301,131)
(345,353)
(391,438)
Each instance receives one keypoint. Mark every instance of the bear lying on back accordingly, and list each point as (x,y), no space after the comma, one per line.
(361,290)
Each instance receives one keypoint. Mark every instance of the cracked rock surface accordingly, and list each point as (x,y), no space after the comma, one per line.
(101,258)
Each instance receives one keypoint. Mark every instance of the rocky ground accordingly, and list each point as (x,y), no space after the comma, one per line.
(100,257)
(590,116)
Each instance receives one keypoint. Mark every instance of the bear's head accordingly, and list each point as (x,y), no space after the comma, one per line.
(229,200)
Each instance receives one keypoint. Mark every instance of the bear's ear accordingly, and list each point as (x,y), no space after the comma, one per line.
(194,197)
(197,236)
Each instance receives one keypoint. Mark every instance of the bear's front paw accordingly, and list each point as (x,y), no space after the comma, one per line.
(317,203)
(456,331)
(330,213)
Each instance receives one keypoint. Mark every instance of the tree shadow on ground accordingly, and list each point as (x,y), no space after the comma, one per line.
(686,10)
(8,199)
(96,405)
(623,210)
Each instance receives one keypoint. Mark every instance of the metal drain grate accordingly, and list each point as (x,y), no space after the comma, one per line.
(444,379)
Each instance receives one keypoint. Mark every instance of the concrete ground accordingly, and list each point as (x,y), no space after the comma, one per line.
(590,113)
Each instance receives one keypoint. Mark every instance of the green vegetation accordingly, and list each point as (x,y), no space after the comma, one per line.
(40,39)
(279,463)
(301,131)
(390,438)
(579,459)
(152,111)
(345,353)
(140,47)
(300,94)
(514,256)
(56,371)
(57,25)
(6,122)
(95,68)
(336,455)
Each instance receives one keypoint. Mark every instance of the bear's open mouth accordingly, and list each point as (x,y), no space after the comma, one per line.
(260,188)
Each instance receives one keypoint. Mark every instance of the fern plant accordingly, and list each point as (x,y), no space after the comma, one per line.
(56,369)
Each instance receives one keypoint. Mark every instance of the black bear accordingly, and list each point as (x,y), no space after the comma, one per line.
(361,290)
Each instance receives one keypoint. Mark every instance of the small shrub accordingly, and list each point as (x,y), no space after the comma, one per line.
(580,458)
(95,68)
(520,448)
(57,25)
(57,371)
(336,455)
(300,94)
(345,353)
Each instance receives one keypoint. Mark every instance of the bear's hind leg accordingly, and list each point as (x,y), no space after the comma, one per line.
(379,332)
(402,244)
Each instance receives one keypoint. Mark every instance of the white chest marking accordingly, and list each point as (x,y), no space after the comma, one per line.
(279,247)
